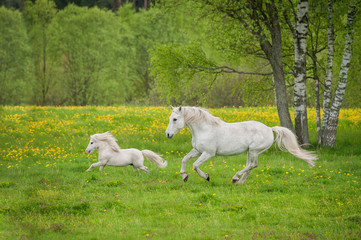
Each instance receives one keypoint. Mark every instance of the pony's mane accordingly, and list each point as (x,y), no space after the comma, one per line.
(108,138)
(196,114)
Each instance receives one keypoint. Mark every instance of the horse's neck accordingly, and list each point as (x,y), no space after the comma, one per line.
(199,128)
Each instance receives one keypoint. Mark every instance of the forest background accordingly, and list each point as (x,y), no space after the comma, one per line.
(107,53)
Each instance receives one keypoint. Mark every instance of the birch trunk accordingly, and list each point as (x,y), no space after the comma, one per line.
(329,69)
(301,122)
(332,121)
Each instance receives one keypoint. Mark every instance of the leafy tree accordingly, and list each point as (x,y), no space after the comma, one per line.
(174,66)
(15,61)
(147,29)
(90,52)
(38,16)
(259,22)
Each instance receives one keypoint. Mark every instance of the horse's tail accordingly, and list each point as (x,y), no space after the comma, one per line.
(155,158)
(287,141)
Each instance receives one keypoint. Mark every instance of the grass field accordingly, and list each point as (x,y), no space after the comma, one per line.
(46,193)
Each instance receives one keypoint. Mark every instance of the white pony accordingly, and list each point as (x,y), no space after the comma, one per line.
(112,155)
(211,136)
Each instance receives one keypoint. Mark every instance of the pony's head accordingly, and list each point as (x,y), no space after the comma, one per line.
(99,139)
(176,122)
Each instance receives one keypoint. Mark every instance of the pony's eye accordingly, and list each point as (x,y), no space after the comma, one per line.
(174,119)
(91,143)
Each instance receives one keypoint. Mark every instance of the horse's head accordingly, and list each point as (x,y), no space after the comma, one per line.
(176,122)
(92,145)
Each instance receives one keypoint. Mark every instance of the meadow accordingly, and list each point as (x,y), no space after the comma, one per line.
(46,193)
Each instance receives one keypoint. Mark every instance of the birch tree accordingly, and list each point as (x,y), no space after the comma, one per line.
(300,45)
(329,69)
(317,35)
(330,119)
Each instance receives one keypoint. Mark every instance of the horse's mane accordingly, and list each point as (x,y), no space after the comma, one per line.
(196,114)
(108,138)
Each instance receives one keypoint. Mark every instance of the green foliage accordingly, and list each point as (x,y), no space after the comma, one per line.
(38,17)
(189,73)
(46,193)
(88,56)
(15,62)
(86,45)
(175,66)
(156,28)
(166,54)
(227,36)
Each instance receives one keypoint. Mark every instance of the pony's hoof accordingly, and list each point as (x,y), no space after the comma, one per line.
(235,180)
(186,178)
(207,177)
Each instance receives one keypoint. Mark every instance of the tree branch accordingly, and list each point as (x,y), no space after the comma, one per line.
(225,69)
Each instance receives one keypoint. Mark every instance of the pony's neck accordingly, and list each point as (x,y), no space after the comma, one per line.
(105,149)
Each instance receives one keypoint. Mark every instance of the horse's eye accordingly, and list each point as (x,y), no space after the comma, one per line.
(174,119)
(91,143)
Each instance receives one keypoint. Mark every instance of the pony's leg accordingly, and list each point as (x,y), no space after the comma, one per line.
(144,168)
(193,153)
(251,163)
(204,157)
(98,164)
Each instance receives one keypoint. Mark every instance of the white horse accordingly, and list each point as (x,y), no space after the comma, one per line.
(211,136)
(112,155)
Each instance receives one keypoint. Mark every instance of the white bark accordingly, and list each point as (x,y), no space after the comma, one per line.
(332,121)
(329,68)
(300,44)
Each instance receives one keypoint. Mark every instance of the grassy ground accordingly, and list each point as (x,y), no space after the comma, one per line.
(46,193)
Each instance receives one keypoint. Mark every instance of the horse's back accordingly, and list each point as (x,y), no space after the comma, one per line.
(235,138)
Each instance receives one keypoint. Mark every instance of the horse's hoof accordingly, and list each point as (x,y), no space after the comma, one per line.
(207,177)
(186,178)
(235,180)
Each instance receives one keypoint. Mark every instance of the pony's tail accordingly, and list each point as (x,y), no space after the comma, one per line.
(155,158)
(287,141)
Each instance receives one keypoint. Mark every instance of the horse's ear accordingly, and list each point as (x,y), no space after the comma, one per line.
(171,107)
(180,108)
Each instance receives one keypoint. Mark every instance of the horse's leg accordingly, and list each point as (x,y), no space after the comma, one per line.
(204,157)
(251,163)
(98,164)
(193,153)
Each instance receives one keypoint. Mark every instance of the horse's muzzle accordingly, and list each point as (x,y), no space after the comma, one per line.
(169,135)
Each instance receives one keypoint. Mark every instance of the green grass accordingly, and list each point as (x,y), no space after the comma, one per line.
(46,193)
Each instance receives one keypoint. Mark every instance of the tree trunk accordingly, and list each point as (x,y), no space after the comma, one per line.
(317,102)
(274,55)
(329,134)
(329,70)
(313,54)
(300,37)
(275,58)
